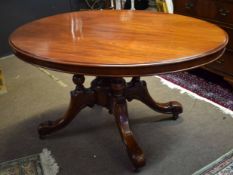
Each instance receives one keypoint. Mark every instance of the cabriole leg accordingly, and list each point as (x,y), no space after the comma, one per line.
(80,98)
(137,89)
(119,108)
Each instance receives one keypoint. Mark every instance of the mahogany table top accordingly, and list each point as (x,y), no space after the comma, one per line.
(118,43)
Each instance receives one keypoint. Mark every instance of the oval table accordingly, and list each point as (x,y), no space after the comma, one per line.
(115,44)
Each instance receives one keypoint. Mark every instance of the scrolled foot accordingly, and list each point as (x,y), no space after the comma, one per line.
(119,109)
(137,89)
(176,109)
(135,153)
(46,128)
(80,98)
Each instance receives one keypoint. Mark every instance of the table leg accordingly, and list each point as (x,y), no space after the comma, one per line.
(119,109)
(112,94)
(137,89)
(80,98)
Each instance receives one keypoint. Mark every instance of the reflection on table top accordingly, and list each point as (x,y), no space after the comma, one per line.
(117,38)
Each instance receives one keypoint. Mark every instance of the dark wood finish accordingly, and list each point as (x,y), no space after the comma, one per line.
(219,12)
(119,109)
(111,45)
(112,94)
(122,43)
(137,90)
(80,98)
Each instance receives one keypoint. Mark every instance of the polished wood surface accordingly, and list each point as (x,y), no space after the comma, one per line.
(218,12)
(118,43)
(112,94)
(111,45)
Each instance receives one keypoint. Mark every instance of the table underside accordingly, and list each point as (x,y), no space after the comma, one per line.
(112,93)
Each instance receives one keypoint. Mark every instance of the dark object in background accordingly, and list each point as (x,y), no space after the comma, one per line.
(211,77)
(15,13)
(139,4)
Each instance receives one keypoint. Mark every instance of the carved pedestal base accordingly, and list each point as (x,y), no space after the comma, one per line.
(112,93)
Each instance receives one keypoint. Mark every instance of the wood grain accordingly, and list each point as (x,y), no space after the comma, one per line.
(102,42)
(117,44)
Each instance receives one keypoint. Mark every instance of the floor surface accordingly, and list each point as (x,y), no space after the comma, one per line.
(91,144)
